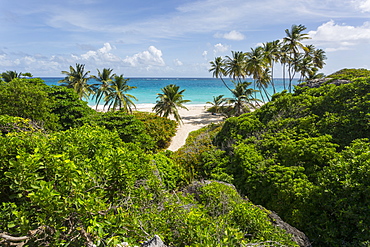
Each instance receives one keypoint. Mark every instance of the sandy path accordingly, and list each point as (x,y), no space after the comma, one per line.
(195,118)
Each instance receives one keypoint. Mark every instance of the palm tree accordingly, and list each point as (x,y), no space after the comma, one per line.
(294,38)
(242,100)
(258,67)
(318,58)
(217,103)
(77,79)
(9,75)
(293,44)
(284,60)
(102,90)
(272,55)
(217,67)
(169,101)
(306,67)
(235,66)
(116,97)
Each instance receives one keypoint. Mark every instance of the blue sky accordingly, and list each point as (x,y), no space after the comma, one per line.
(171,38)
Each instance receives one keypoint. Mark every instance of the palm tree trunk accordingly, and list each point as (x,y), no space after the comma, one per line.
(266,93)
(284,76)
(272,78)
(225,84)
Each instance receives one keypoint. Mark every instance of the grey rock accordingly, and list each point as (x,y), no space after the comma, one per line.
(156,241)
(297,236)
(315,83)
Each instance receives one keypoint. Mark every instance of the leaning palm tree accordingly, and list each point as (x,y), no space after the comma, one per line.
(169,101)
(77,79)
(218,69)
(102,90)
(116,97)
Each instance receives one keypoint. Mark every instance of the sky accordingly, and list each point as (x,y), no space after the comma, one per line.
(171,38)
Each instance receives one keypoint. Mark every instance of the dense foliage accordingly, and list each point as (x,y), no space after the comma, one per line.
(349,74)
(304,155)
(85,186)
(160,129)
(127,126)
(67,106)
(73,176)
(27,98)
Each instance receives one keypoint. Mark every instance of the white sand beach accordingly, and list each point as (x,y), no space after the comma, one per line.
(195,118)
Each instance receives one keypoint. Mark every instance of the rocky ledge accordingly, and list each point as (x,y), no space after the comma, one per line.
(315,83)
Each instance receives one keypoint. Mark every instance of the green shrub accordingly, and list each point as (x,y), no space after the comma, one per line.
(66,104)
(161,129)
(128,127)
(20,98)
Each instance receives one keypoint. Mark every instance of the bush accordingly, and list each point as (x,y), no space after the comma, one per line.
(161,129)
(128,127)
(20,98)
(66,104)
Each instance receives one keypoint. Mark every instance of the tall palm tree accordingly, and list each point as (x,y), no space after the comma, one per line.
(284,60)
(218,69)
(258,67)
(116,96)
(169,101)
(272,55)
(293,39)
(102,90)
(235,66)
(77,79)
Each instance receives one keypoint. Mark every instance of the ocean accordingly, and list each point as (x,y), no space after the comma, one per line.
(198,90)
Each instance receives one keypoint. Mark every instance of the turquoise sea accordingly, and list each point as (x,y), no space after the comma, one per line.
(198,90)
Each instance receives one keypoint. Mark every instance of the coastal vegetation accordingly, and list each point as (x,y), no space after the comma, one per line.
(303,155)
(72,176)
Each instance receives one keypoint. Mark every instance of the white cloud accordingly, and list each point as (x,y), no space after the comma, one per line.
(205,54)
(340,37)
(220,48)
(177,62)
(362,5)
(101,55)
(232,35)
(151,57)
